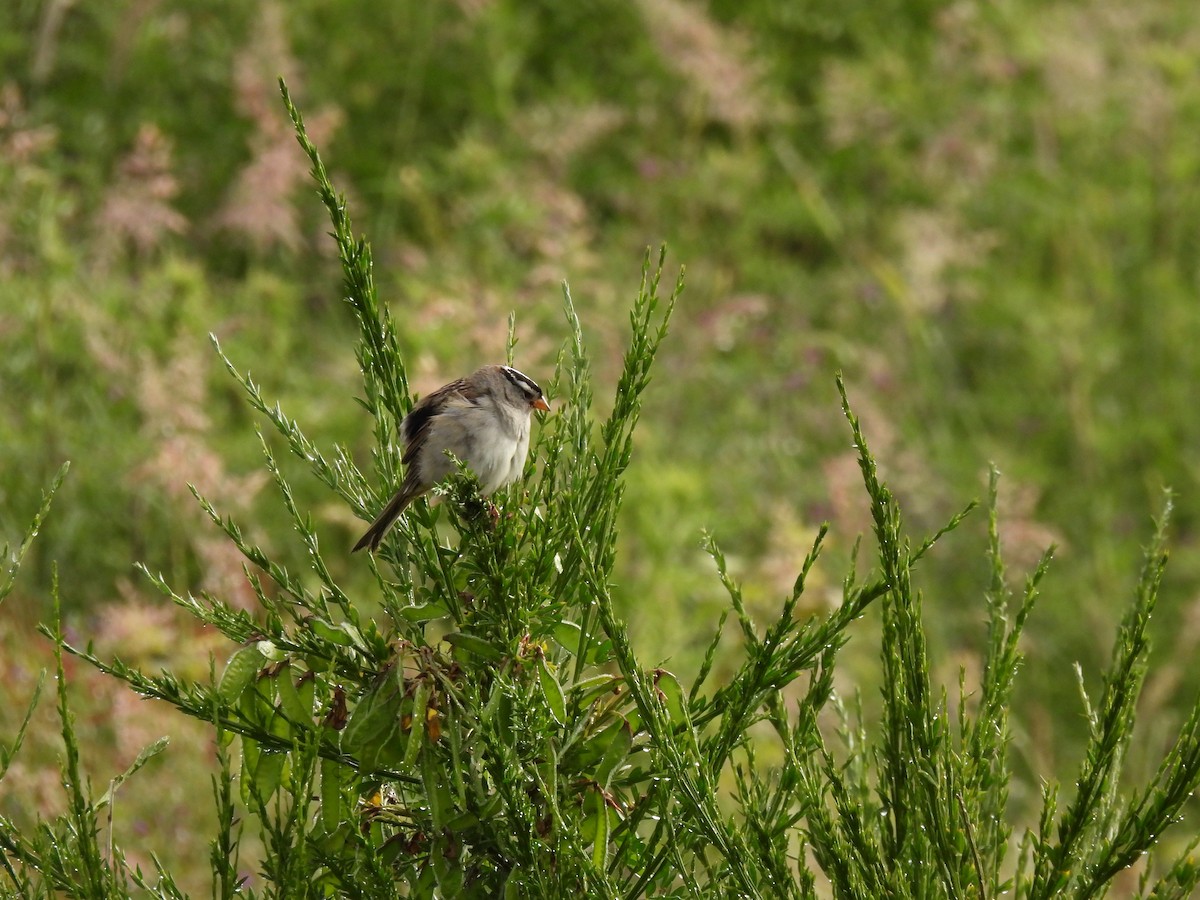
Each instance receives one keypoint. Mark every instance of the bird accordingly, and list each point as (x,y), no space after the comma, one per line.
(483,419)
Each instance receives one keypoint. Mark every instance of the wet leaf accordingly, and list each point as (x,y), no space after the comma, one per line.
(474,645)
(416,731)
(293,705)
(333,780)
(603,829)
(671,692)
(614,755)
(241,671)
(552,691)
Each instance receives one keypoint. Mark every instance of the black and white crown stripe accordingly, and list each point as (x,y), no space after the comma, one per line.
(522,381)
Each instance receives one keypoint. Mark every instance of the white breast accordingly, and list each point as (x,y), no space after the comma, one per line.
(493,442)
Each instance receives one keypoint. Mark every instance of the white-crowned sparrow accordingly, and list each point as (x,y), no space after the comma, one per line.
(482,419)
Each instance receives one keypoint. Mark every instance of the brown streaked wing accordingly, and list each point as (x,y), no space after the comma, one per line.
(416,424)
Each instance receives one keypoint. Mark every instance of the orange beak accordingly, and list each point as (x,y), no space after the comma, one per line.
(541,404)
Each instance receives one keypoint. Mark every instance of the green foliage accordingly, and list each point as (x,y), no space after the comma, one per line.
(491,731)
(982,215)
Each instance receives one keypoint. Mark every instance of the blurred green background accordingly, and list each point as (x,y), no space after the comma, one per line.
(985,213)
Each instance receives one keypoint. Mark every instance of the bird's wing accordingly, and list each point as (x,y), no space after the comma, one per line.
(415,427)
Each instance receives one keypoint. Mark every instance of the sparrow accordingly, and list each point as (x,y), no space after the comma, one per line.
(482,419)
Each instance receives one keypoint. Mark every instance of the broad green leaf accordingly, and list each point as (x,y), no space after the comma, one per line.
(587,690)
(416,732)
(594,749)
(672,695)
(268,773)
(317,663)
(615,754)
(462,821)
(255,705)
(449,870)
(280,726)
(251,753)
(603,829)
(566,635)
(270,652)
(426,883)
(328,632)
(375,719)
(241,671)
(332,842)
(589,825)
(494,702)
(290,700)
(356,638)
(512,885)
(435,791)
(333,780)
(306,687)
(474,645)
(600,652)
(425,612)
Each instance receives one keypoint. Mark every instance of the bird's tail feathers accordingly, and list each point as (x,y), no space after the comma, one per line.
(384,521)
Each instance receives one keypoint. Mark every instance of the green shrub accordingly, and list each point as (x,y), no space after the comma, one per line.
(489,730)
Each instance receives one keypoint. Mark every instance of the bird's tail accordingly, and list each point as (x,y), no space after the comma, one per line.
(374,535)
